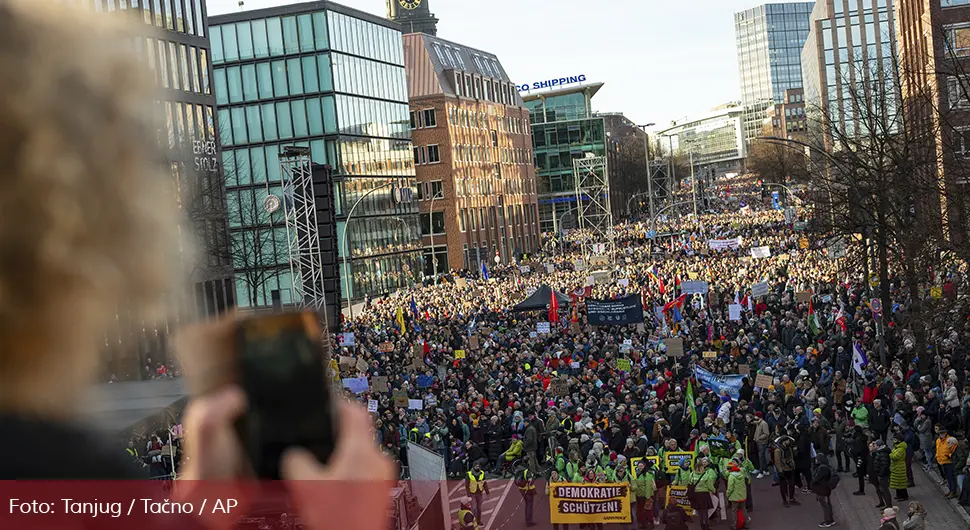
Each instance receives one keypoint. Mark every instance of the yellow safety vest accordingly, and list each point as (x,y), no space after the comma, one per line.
(473,483)
(132,451)
(528,484)
(462,516)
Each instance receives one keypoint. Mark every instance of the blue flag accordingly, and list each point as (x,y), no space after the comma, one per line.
(484,271)
(414,308)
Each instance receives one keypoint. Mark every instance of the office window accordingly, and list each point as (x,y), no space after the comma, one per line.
(320,31)
(461,223)
(434,220)
(235,84)
(194,67)
(284,121)
(264,78)
(274,32)
(957,91)
(249,86)
(433,155)
(204,70)
(269,122)
(314,116)
(222,88)
(230,46)
(414,124)
(279,79)
(305,24)
(199,18)
(239,134)
(429,118)
(417,158)
(291,40)
(311,80)
(958,39)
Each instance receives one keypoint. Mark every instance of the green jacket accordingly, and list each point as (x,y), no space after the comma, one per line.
(704,482)
(644,486)
(897,467)
(736,487)
(682,478)
(861,416)
(560,464)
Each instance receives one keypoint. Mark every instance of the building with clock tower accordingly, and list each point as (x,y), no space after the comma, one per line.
(414,16)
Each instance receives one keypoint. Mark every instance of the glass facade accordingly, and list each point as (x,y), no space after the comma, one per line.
(336,84)
(769,41)
(563,129)
(857,45)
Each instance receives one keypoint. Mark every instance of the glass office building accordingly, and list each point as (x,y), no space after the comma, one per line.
(563,128)
(769,41)
(332,79)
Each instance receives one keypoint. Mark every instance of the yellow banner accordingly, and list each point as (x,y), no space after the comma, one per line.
(678,495)
(634,461)
(674,458)
(574,503)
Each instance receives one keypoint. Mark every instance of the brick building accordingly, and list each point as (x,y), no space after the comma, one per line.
(787,119)
(934,58)
(472,154)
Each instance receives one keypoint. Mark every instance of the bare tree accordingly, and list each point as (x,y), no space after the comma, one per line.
(777,163)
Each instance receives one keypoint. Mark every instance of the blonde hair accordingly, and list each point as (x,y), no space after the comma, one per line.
(88,218)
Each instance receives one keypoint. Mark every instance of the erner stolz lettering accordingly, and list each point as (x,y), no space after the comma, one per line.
(551,83)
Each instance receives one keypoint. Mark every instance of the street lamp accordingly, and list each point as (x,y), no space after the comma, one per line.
(350,283)
(646,151)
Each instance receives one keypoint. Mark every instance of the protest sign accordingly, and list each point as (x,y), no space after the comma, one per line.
(744,369)
(803,243)
(694,287)
(459,354)
(760,289)
(762,381)
(400,398)
(415,404)
(635,461)
(387,347)
(424,381)
(710,354)
(543,328)
(357,385)
(599,261)
(678,495)
(623,282)
(803,297)
(623,365)
(346,362)
(379,383)
(626,310)
(460,282)
(417,351)
(347,339)
(717,383)
(674,347)
(473,342)
(372,405)
(361,365)
(721,244)
(560,386)
(601,277)
(674,458)
(579,265)
(734,312)
(580,503)
(761,252)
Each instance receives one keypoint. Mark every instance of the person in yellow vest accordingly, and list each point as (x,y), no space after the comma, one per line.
(466,519)
(525,481)
(476,487)
(132,450)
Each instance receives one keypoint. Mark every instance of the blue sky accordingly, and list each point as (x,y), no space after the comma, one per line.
(660,60)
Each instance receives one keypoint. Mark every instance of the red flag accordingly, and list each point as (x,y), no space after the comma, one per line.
(678,302)
(662,289)
(553,308)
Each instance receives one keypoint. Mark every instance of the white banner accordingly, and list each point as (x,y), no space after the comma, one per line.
(721,244)
(761,252)
(542,327)
(734,312)
(760,289)
(694,287)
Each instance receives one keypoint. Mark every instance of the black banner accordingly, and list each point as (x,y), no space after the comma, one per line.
(618,312)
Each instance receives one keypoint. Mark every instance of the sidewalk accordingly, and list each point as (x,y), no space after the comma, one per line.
(861,512)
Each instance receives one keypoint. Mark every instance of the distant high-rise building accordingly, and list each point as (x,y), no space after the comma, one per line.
(414,16)
(769,39)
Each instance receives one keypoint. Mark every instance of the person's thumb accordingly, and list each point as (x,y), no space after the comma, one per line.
(300,464)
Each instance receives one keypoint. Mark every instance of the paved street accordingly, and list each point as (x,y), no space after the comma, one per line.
(504,508)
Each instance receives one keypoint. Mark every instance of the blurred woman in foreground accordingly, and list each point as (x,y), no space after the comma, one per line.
(88,230)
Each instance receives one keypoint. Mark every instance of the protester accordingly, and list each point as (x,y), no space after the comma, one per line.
(889,520)
(915,517)
(822,481)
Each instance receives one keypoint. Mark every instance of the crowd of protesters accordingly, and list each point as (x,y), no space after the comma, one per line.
(494,393)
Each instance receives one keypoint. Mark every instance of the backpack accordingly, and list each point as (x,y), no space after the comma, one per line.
(834,479)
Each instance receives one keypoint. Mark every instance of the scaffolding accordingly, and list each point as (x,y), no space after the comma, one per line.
(302,234)
(594,213)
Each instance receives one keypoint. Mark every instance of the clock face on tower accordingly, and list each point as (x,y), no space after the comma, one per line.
(409,4)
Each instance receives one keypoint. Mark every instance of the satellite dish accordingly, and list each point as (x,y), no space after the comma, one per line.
(272,203)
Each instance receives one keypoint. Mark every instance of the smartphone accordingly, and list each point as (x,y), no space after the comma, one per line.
(282,365)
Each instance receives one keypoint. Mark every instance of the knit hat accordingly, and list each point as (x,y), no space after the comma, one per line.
(890,513)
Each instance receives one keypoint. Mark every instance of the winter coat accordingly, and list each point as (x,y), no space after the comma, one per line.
(897,467)
(737,490)
(950,397)
(531,439)
(820,480)
(879,420)
(924,429)
(861,416)
(880,464)
(914,522)
(840,427)
(761,433)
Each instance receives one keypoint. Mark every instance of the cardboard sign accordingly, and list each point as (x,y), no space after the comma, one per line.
(371,405)
(936,292)
(744,369)
(803,297)
(400,398)
(379,383)
(459,354)
(346,363)
(415,404)
(761,252)
(760,289)
(641,328)
(579,265)
(559,386)
(387,347)
(694,287)
(362,365)
(473,342)
(762,381)
(599,261)
(574,327)
(674,346)
(803,243)
(710,355)
(460,282)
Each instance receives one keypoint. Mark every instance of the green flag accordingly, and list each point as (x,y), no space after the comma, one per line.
(690,404)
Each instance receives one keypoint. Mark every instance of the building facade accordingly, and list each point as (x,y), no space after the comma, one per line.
(934,58)
(564,128)
(472,156)
(175,46)
(414,16)
(713,141)
(769,42)
(329,78)
(787,119)
(627,146)
(852,44)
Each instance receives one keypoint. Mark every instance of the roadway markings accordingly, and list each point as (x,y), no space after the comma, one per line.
(491,505)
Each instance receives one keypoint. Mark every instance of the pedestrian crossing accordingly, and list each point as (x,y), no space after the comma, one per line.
(491,504)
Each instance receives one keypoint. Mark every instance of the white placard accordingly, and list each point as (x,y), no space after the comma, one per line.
(760,289)
(761,252)
(415,404)
(347,338)
(734,312)
(694,287)
(721,244)
(371,405)
(542,328)
(623,282)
